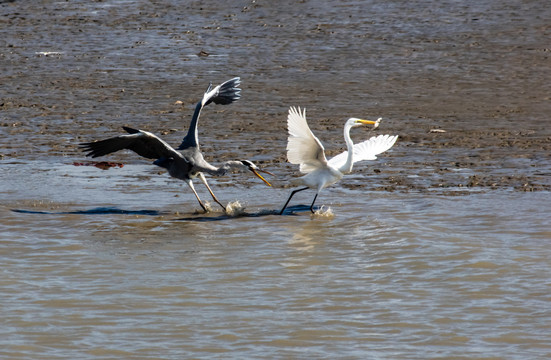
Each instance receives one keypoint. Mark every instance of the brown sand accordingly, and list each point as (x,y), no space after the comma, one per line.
(467,88)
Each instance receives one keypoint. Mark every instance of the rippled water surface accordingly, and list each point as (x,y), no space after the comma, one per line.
(390,275)
(439,249)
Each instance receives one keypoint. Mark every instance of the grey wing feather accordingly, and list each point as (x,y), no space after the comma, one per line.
(228,92)
(223,94)
(142,143)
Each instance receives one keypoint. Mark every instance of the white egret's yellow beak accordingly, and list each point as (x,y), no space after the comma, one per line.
(366,122)
(255,171)
(370,122)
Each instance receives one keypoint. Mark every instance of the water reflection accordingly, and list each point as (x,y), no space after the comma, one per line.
(305,237)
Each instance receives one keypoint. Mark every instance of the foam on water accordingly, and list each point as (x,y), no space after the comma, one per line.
(323,213)
(234,209)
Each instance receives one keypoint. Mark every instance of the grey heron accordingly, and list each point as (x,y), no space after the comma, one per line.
(306,150)
(185,162)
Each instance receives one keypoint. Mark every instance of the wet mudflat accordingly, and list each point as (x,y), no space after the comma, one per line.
(439,249)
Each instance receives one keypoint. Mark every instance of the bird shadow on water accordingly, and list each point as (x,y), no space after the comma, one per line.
(203,217)
(94,211)
(206,217)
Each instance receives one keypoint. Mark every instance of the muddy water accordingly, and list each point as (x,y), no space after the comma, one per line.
(439,249)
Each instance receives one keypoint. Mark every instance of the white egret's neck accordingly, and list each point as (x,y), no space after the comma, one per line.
(347,167)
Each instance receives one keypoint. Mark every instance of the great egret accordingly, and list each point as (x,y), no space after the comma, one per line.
(305,149)
(186,162)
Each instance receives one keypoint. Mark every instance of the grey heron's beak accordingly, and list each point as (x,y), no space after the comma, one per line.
(256,170)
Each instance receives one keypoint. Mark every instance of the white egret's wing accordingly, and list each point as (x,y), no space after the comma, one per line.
(366,150)
(303,147)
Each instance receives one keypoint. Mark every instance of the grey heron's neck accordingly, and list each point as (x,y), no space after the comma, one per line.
(229,166)
(192,137)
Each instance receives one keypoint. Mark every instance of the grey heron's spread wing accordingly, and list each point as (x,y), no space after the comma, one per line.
(141,142)
(223,94)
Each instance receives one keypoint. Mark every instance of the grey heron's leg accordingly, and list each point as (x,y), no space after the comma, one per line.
(204,180)
(312,206)
(289,199)
(190,184)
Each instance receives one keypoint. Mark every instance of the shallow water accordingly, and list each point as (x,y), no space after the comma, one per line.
(390,275)
(439,249)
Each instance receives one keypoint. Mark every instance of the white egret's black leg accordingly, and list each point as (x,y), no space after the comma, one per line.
(289,199)
(190,184)
(312,206)
(204,180)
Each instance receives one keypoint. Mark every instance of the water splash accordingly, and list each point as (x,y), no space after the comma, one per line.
(235,208)
(323,213)
(208,206)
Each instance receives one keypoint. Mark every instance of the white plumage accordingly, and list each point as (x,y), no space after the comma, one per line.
(306,150)
(303,147)
(366,150)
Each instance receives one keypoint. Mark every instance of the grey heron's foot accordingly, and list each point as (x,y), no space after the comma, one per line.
(203,206)
(222,205)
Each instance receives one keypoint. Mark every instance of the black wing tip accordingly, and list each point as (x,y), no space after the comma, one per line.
(231,85)
(229,92)
(93,149)
(225,100)
(234,82)
(88,149)
(85,146)
(130,130)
